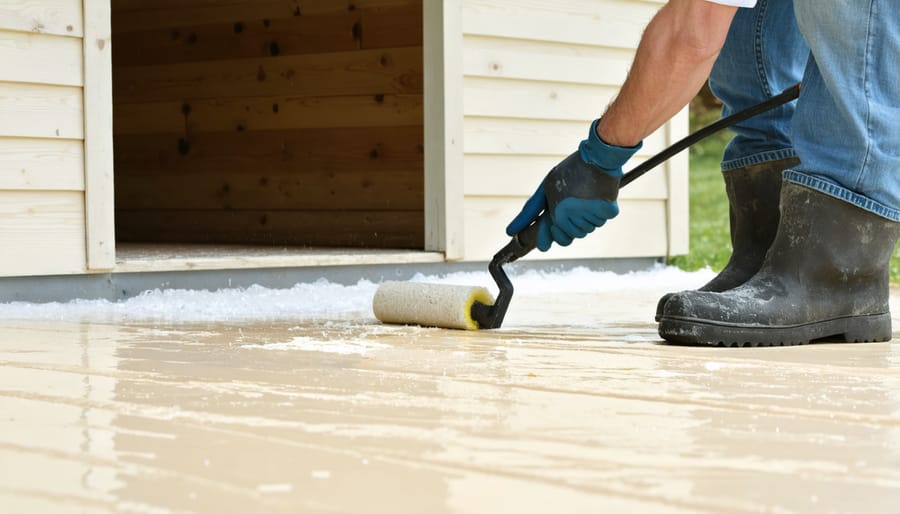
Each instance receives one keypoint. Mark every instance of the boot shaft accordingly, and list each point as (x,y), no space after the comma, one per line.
(754,193)
(753,197)
(828,245)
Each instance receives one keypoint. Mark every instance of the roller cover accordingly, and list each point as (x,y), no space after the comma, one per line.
(430,305)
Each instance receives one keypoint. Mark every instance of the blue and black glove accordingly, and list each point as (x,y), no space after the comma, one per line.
(579,194)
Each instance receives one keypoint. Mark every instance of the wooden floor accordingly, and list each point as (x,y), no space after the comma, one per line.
(573,407)
(150,257)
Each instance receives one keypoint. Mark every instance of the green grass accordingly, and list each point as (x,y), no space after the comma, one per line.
(710,243)
(710,240)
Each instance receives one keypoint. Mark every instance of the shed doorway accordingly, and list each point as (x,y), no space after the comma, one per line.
(269,122)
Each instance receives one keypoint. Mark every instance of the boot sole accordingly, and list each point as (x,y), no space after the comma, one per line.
(852,329)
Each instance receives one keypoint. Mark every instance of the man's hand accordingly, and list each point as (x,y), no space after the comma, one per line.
(579,194)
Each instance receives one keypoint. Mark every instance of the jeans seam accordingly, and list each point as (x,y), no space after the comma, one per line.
(758,158)
(866,94)
(842,193)
(758,48)
(759,51)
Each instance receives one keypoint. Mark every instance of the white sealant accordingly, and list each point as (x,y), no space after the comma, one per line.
(327,300)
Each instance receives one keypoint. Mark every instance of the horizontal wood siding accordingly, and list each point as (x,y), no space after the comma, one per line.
(41,59)
(536,74)
(41,111)
(42,232)
(49,17)
(42,208)
(257,121)
(33,164)
(639,225)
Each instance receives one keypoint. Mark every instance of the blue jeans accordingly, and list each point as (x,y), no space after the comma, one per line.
(845,127)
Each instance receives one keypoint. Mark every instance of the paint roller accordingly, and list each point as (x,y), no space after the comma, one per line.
(472,308)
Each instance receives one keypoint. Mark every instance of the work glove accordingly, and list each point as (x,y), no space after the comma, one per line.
(579,194)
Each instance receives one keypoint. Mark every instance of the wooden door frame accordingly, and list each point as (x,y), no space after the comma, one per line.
(99,201)
(443,112)
(443,106)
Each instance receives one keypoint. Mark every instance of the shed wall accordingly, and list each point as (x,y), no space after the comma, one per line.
(42,175)
(536,74)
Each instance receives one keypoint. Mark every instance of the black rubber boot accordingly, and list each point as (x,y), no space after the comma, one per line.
(825,276)
(753,196)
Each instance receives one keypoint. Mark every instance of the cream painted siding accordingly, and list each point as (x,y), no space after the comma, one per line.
(42,177)
(536,73)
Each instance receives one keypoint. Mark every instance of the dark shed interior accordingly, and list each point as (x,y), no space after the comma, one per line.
(269,122)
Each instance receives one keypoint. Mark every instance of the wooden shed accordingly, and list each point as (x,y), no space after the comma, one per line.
(147,135)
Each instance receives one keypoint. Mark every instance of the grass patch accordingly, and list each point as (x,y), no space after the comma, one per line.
(710,239)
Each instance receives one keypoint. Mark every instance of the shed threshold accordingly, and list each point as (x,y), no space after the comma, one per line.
(148,257)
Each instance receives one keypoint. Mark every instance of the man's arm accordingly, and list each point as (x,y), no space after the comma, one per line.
(673,60)
(675,56)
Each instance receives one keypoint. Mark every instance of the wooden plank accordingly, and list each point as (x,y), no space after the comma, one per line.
(42,233)
(295,35)
(148,258)
(39,164)
(519,175)
(283,151)
(26,58)
(342,73)
(388,27)
(545,61)
(392,27)
(362,190)
(639,231)
(596,8)
(309,6)
(144,6)
(268,113)
(377,229)
(500,98)
(615,24)
(60,17)
(147,15)
(40,111)
(98,144)
(499,136)
(444,230)
(134,15)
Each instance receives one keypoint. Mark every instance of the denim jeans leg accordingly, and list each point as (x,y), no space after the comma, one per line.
(847,123)
(764,54)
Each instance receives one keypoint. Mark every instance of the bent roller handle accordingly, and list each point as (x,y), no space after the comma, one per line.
(491,316)
(522,243)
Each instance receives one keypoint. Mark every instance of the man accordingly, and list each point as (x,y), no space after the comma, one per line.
(813,187)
